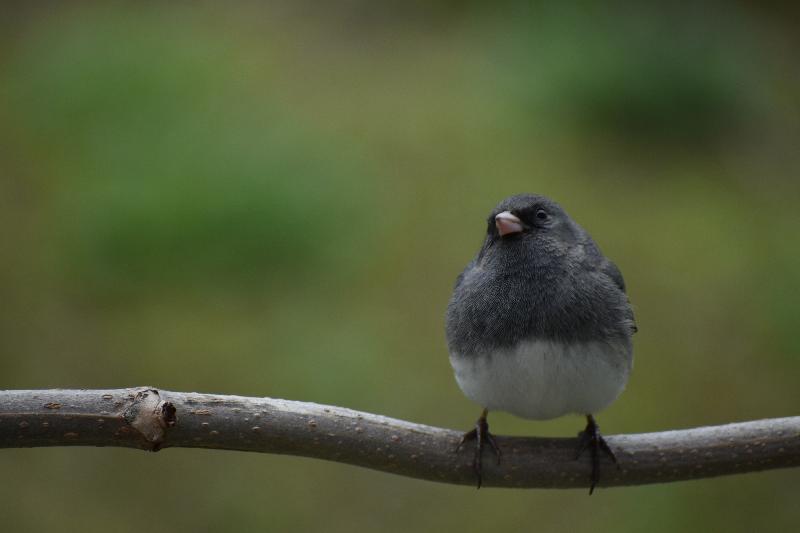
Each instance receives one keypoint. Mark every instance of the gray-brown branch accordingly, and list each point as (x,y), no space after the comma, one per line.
(152,419)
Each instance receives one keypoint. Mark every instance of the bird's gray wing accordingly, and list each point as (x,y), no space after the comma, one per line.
(610,269)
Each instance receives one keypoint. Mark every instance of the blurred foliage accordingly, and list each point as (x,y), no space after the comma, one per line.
(276,201)
(179,170)
(583,74)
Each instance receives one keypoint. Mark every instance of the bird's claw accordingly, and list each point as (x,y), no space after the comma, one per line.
(480,433)
(590,438)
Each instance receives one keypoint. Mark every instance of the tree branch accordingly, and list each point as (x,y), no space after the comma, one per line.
(152,419)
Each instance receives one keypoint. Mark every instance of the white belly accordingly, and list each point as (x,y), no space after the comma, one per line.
(546,379)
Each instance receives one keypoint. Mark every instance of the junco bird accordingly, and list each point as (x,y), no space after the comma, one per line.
(539,324)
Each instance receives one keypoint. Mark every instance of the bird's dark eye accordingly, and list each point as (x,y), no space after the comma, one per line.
(541,214)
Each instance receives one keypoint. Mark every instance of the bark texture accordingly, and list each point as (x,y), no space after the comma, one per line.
(151,419)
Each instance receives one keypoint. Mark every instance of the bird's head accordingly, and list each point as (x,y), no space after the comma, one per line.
(528,219)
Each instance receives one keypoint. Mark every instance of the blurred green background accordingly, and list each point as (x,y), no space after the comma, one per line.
(275,201)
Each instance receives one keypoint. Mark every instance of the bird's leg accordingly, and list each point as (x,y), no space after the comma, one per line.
(591,438)
(480,433)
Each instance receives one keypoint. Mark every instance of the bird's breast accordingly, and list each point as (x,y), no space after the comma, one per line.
(543,379)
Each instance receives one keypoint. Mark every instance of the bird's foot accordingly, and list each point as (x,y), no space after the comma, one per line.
(481,435)
(590,438)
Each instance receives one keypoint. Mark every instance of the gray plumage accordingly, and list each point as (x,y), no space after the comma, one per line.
(541,313)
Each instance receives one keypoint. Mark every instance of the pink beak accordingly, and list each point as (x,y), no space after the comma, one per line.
(507,223)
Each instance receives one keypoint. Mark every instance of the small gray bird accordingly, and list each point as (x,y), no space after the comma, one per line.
(539,324)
